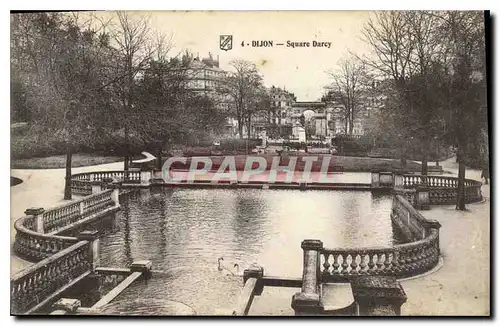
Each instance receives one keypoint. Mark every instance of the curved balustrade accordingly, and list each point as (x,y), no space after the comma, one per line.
(33,285)
(81,183)
(404,260)
(442,190)
(338,265)
(35,246)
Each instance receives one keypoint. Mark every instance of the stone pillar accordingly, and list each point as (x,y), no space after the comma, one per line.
(378,295)
(157,177)
(82,208)
(431,224)
(398,181)
(66,306)
(145,177)
(143,266)
(375,179)
(96,187)
(37,214)
(422,197)
(115,196)
(308,302)
(255,271)
(386,180)
(92,238)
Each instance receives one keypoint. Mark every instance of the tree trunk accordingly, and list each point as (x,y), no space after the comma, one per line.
(351,121)
(127,151)
(461,180)
(67,180)
(249,126)
(158,158)
(240,127)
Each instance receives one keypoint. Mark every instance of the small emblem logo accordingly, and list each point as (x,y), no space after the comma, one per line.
(226,42)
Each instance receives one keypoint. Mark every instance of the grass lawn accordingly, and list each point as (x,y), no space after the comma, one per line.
(59,161)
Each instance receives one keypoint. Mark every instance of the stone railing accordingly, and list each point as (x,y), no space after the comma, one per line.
(435,190)
(36,233)
(88,183)
(35,246)
(36,285)
(58,218)
(404,260)
(339,265)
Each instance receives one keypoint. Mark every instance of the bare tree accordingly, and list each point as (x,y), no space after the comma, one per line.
(134,50)
(405,48)
(347,88)
(240,86)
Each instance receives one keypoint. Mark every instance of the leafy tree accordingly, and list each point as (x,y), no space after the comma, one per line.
(63,70)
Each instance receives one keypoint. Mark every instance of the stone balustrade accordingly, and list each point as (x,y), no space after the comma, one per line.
(60,217)
(422,191)
(88,183)
(35,246)
(340,265)
(36,285)
(404,260)
(37,233)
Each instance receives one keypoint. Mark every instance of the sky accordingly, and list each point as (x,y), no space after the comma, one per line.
(301,70)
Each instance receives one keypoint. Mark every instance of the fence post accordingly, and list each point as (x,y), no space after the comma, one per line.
(308,301)
(92,238)
(37,213)
(378,295)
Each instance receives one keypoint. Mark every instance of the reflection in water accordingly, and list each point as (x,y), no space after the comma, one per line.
(191,228)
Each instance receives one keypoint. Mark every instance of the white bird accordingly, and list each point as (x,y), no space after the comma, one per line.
(221,267)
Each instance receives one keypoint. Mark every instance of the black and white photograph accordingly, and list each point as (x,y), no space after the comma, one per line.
(250,163)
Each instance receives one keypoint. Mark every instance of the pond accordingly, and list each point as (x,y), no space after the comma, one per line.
(185,231)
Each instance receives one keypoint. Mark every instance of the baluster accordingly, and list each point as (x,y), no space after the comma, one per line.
(354,264)
(336,264)
(362,264)
(387,263)
(326,264)
(379,262)
(371,263)
(344,264)
(401,261)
